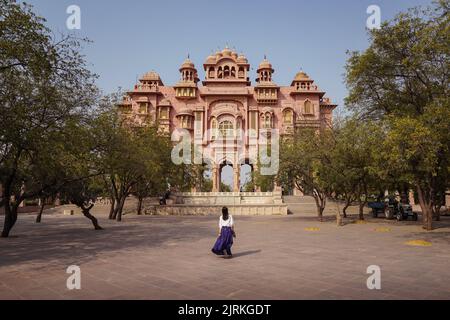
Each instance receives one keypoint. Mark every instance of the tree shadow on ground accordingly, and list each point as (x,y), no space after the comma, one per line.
(73,240)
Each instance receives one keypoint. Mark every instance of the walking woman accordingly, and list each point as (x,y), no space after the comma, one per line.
(226,234)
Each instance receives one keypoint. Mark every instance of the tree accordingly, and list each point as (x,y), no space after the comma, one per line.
(415,152)
(158,164)
(44,84)
(303,161)
(402,79)
(83,193)
(133,160)
(353,169)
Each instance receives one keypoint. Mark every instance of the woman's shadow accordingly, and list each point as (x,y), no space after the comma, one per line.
(245,253)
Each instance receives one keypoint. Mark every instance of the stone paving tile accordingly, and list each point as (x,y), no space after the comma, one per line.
(169,258)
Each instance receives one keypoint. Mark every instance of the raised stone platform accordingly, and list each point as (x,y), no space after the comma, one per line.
(211,203)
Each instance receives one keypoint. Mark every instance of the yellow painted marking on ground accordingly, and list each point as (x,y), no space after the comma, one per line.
(361,222)
(419,243)
(383,229)
(312,229)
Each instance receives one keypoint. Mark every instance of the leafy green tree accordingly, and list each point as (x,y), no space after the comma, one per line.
(303,161)
(402,79)
(83,193)
(158,165)
(44,86)
(133,160)
(353,169)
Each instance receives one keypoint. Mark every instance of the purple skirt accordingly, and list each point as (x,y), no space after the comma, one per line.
(224,242)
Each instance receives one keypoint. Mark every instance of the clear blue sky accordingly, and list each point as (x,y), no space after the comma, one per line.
(134,36)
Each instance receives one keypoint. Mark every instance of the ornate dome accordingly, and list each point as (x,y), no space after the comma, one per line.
(211,59)
(301,76)
(187,64)
(242,59)
(265,64)
(226,52)
(151,76)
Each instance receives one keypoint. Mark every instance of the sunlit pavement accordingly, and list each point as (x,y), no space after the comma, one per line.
(293,257)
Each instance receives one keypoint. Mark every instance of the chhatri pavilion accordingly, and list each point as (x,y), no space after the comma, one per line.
(227,104)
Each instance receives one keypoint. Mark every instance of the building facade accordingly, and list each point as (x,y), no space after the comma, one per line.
(227,116)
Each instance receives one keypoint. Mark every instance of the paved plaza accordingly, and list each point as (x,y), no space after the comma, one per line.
(276,257)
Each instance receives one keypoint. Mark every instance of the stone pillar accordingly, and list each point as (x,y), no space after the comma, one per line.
(215,178)
(236,178)
(256,169)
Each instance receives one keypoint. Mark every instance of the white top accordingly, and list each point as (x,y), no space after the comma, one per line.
(228,223)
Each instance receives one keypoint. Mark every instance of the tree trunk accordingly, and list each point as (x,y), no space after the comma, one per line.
(339,217)
(87,214)
(41,210)
(10,217)
(120,208)
(320,204)
(112,208)
(344,210)
(139,209)
(427,209)
(361,209)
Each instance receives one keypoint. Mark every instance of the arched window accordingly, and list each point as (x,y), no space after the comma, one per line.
(309,107)
(267,121)
(220,73)
(143,107)
(211,72)
(226,72)
(226,129)
(241,73)
(288,116)
(233,72)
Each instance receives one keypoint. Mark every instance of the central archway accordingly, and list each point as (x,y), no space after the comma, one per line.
(226,177)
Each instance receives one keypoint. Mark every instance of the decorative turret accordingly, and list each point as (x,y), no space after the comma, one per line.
(265,71)
(186,88)
(149,82)
(227,66)
(266,91)
(303,83)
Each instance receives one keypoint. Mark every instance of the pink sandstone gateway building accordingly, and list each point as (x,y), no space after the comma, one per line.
(226,104)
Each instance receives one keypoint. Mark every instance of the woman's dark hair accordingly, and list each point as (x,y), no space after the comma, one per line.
(225,213)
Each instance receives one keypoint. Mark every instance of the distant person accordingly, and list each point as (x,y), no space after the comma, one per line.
(226,234)
(163,199)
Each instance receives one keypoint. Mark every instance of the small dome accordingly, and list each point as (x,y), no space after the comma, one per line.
(151,76)
(301,76)
(211,59)
(188,64)
(242,59)
(234,55)
(226,52)
(265,65)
